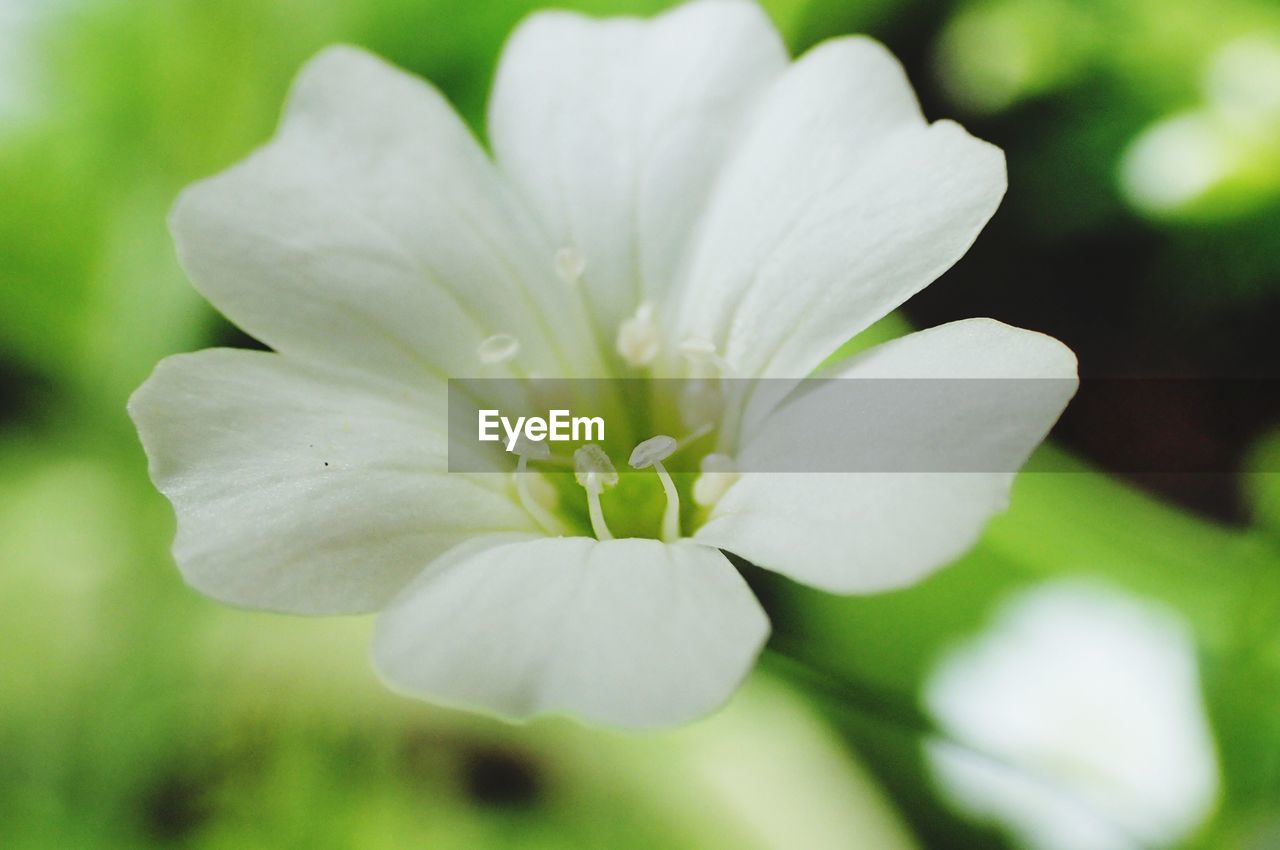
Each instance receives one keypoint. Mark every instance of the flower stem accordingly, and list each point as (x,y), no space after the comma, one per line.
(786,657)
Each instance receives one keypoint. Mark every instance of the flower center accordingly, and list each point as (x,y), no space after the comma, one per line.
(693,408)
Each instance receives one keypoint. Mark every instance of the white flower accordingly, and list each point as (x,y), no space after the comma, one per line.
(1079,723)
(666,198)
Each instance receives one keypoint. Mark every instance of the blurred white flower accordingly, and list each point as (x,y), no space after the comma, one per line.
(1076,721)
(1177,161)
(1231,140)
(665,196)
(22,23)
(1242,82)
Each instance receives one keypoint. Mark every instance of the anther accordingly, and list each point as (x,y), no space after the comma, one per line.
(698,350)
(701,404)
(498,348)
(638,339)
(594,471)
(651,453)
(526,449)
(718,474)
(570,264)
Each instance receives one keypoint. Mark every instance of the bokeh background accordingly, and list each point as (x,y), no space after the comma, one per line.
(1142,227)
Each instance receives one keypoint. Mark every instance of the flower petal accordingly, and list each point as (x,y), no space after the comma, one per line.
(614,130)
(839,204)
(632,632)
(301,490)
(1089,703)
(373,232)
(875,531)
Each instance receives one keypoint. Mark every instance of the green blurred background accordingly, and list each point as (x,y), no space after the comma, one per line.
(1142,227)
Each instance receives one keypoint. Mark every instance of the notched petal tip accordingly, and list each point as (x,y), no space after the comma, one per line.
(986,154)
(556,29)
(879,76)
(336,64)
(729,12)
(1033,353)
(859,50)
(158,392)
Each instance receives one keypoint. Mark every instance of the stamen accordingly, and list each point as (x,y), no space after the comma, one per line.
(498,348)
(638,339)
(728,407)
(651,453)
(699,351)
(525,449)
(570,264)
(698,348)
(718,474)
(594,471)
(696,434)
(701,404)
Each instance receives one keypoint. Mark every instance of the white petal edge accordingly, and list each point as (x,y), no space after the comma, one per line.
(839,204)
(630,633)
(373,232)
(301,490)
(1089,700)
(869,532)
(1042,815)
(614,130)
